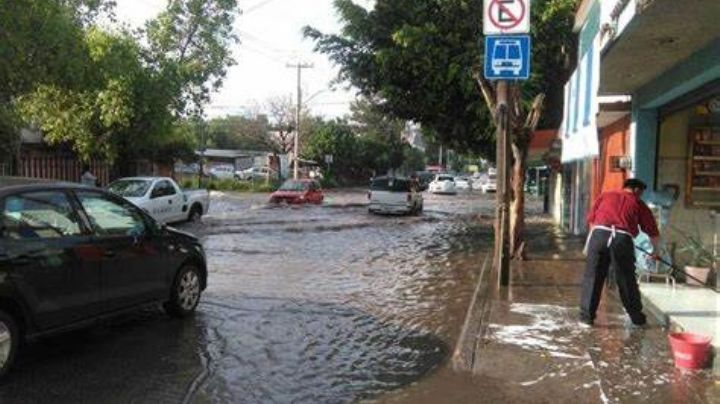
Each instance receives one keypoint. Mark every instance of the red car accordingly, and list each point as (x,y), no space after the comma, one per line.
(298,191)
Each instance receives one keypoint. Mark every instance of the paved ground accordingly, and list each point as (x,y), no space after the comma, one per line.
(524,345)
(331,304)
(305,304)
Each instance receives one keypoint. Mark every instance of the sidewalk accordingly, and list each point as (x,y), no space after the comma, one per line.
(524,343)
(685,308)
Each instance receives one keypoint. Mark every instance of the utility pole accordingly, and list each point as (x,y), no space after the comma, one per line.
(440,158)
(299,66)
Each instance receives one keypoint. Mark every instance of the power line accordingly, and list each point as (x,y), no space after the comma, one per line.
(256,6)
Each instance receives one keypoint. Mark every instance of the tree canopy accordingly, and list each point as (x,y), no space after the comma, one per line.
(104,90)
(418,58)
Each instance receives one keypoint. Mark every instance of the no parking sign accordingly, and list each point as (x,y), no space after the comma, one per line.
(501,17)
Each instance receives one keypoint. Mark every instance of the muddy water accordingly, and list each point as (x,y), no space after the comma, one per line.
(304,304)
(330,304)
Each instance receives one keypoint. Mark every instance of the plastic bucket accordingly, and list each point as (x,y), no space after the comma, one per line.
(691,351)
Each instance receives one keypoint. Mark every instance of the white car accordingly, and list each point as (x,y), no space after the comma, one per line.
(223,172)
(394,195)
(162,198)
(489,184)
(463,183)
(254,173)
(443,184)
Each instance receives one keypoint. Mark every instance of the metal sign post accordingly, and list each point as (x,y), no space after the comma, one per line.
(507,57)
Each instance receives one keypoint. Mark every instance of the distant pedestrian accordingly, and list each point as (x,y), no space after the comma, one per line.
(87,177)
(615,219)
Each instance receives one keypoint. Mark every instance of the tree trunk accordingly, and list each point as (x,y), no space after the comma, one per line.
(517,203)
(522,127)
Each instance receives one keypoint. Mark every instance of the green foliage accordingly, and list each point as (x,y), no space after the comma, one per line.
(697,253)
(107,92)
(190,45)
(418,57)
(239,132)
(414,160)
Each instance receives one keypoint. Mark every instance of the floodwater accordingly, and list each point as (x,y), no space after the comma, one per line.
(304,304)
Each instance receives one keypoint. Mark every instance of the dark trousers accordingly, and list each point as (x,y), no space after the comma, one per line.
(620,254)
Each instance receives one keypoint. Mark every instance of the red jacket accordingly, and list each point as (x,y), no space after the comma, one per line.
(625,211)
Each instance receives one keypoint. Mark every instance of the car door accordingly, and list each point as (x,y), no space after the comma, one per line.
(164,206)
(315,194)
(50,257)
(176,202)
(134,266)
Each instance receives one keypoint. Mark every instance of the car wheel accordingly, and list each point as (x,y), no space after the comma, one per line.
(185,293)
(9,342)
(195,214)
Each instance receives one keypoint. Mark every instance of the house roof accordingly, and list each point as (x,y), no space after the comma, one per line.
(229,154)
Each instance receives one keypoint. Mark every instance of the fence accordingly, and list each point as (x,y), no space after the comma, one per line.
(56,167)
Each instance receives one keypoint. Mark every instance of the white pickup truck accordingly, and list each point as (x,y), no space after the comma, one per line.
(163,198)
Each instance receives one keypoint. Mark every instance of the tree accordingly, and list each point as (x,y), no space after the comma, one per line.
(115,93)
(371,123)
(281,111)
(239,132)
(416,58)
(189,44)
(421,59)
(552,34)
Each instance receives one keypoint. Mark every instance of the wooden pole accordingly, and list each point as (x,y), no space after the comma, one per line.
(502,258)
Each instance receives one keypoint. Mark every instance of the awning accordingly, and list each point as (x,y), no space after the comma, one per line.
(655,36)
(541,144)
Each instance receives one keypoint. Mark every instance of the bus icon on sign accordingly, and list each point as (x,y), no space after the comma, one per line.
(507,56)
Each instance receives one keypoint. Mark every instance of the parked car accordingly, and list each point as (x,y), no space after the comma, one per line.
(395,195)
(71,254)
(298,191)
(162,198)
(223,172)
(443,184)
(463,183)
(254,173)
(489,184)
(193,168)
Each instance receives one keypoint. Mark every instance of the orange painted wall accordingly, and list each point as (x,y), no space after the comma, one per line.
(613,142)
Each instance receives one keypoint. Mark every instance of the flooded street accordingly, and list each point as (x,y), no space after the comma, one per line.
(304,304)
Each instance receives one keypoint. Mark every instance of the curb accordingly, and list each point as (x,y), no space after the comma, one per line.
(464,354)
(673,326)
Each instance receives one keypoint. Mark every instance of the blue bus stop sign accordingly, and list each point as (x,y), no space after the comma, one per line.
(507,57)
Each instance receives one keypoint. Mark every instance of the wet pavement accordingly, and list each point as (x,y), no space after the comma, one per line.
(528,347)
(305,304)
(328,304)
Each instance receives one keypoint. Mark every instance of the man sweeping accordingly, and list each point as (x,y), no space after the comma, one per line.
(615,219)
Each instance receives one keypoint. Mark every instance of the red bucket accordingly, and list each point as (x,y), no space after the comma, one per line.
(691,351)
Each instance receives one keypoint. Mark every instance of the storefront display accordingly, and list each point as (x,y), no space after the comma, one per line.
(703,183)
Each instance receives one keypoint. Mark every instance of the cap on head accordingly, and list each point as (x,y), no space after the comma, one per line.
(634,183)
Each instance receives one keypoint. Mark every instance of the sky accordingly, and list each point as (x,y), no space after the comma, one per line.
(270,38)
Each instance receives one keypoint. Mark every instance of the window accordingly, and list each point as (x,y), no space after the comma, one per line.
(46,214)
(390,184)
(163,188)
(111,218)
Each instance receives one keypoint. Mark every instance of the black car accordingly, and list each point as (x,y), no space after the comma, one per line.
(71,254)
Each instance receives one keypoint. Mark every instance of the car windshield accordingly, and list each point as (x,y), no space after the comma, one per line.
(492,177)
(444,178)
(293,185)
(390,184)
(130,188)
